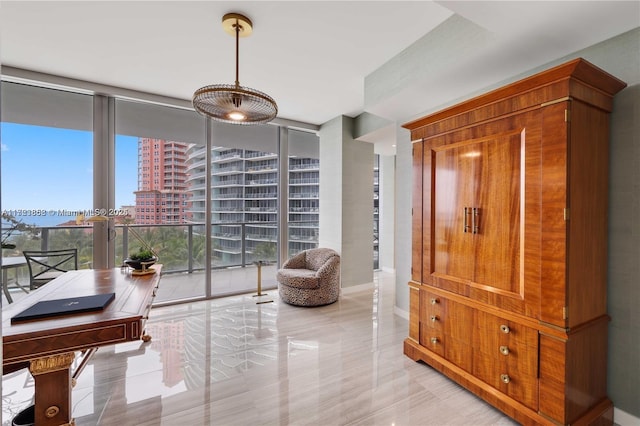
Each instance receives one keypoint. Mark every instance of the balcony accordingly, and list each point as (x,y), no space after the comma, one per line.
(230,182)
(227,170)
(306,167)
(302,181)
(226,157)
(261,195)
(262,182)
(303,195)
(262,168)
(260,155)
(232,195)
(179,248)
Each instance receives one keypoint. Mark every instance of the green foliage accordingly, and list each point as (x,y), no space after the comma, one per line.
(12,226)
(265,251)
(142,255)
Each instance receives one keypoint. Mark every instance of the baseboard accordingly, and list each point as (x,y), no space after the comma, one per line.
(622,418)
(354,288)
(401,313)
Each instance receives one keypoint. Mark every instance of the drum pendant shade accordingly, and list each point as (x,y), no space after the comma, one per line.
(233,103)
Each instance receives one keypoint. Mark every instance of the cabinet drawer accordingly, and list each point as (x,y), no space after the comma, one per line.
(493,332)
(432,339)
(432,304)
(506,357)
(432,317)
(514,374)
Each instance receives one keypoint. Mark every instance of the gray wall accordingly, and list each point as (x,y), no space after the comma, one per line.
(620,56)
(346,199)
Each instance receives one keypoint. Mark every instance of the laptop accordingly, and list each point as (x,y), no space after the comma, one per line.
(71,305)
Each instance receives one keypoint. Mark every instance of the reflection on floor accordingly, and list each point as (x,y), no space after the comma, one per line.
(231,361)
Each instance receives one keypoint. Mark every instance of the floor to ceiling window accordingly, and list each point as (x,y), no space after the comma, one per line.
(47,163)
(244,205)
(154,191)
(304,186)
(162,176)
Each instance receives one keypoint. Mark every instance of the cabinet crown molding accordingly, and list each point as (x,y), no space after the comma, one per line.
(577,70)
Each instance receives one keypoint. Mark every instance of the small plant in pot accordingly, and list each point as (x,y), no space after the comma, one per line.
(141,259)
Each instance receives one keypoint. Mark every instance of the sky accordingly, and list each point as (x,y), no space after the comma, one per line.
(49,169)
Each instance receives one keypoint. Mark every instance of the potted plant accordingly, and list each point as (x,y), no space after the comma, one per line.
(141,259)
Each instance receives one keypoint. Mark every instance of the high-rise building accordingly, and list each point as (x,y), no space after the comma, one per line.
(162,195)
(244,200)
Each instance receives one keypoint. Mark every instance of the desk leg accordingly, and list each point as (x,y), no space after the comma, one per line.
(52,376)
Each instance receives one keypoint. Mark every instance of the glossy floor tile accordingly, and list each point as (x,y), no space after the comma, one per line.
(231,361)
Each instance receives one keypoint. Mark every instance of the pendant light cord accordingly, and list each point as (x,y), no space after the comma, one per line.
(237,53)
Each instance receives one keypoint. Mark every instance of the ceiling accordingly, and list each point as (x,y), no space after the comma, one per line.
(311,57)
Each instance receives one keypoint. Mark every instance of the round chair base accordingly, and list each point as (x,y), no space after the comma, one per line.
(308,297)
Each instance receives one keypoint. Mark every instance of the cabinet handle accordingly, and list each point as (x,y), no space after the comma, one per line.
(434,340)
(504,350)
(475,220)
(434,318)
(434,301)
(466,227)
(504,378)
(505,329)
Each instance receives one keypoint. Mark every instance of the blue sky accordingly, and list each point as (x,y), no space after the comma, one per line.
(52,169)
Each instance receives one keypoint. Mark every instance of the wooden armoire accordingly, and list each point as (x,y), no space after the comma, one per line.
(508,284)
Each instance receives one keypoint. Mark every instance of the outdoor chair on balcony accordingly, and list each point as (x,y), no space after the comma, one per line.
(44,266)
(310,278)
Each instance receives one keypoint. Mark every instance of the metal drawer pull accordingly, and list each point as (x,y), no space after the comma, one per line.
(434,340)
(466,226)
(504,350)
(504,378)
(505,329)
(434,318)
(476,220)
(434,301)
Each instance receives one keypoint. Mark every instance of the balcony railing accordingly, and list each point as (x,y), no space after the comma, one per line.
(179,246)
(298,181)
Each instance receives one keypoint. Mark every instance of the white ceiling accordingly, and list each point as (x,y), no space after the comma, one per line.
(311,57)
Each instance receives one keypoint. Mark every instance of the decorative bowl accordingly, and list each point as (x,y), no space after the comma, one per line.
(139,265)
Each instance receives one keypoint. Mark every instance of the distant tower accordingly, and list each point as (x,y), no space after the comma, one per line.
(162,195)
(244,190)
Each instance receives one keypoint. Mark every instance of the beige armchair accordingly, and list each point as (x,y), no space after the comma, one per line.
(310,278)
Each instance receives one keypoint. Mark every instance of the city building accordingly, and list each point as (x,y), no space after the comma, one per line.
(244,197)
(162,195)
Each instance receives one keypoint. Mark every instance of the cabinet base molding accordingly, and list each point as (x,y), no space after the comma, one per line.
(600,414)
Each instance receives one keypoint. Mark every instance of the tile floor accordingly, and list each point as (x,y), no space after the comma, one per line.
(231,361)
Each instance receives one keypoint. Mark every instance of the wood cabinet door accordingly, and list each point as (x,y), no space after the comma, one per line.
(574,236)
(481,195)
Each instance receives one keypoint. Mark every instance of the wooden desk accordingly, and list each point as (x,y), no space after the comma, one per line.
(47,346)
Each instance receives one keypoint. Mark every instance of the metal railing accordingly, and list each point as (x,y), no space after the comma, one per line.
(180,247)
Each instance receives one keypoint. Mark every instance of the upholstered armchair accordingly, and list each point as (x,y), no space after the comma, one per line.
(310,278)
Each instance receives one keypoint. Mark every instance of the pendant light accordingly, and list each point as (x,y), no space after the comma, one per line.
(232,103)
